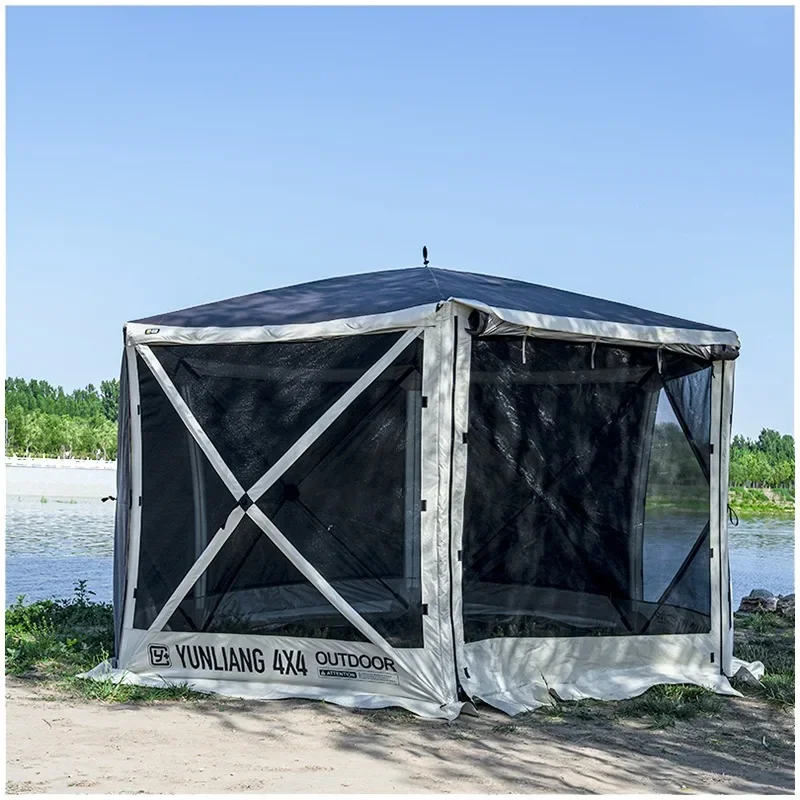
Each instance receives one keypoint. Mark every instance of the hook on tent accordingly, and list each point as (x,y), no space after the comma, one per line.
(424,255)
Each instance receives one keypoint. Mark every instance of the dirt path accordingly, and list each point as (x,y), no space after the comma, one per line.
(58,745)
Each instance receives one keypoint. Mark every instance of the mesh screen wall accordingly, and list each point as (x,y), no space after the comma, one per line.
(184,501)
(251,587)
(586,466)
(350,504)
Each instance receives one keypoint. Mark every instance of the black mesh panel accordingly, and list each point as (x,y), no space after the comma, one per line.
(554,525)
(690,396)
(350,504)
(676,554)
(251,587)
(255,400)
(184,502)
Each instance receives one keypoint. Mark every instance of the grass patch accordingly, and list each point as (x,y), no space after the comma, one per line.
(110,692)
(779,689)
(662,706)
(388,714)
(762,622)
(768,638)
(457,733)
(54,640)
(574,709)
(505,728)
(668,703)
(785,493)
(58,637)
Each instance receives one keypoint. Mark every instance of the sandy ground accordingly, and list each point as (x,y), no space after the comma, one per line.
(71,745)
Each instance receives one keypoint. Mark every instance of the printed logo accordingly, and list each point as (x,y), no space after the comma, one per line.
(159,655)
(378,669)
(333,665)
(221,659)
(289,662)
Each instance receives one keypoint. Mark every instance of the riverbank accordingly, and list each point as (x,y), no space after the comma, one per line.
(70,735)
(60,478)
(763,502)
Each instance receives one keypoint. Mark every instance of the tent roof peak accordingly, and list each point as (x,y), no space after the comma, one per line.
(388,291)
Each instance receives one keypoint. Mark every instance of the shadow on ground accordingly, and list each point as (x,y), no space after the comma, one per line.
(749,747)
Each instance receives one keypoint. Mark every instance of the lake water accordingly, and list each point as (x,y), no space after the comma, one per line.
(50,546)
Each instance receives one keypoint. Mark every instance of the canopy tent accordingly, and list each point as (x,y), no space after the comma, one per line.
(419,487)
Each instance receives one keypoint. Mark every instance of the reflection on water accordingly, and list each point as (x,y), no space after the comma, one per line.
(762,556)
(50,546)
(59,528)
(668,540)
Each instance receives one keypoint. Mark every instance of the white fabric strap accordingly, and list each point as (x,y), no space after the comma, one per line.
(196,570)
(191,423)
(274,534)
(327,419)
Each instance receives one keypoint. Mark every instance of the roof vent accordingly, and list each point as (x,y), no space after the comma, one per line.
(477,322)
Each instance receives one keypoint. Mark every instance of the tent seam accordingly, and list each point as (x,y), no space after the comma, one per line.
(438,288)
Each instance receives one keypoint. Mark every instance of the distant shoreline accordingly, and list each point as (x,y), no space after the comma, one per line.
(89,478)
(60,463)
(60,478)
(762,502)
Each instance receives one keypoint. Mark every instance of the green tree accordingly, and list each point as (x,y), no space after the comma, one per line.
(109,394)
(765,461)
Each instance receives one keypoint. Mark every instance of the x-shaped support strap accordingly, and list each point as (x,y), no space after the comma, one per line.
(246,500)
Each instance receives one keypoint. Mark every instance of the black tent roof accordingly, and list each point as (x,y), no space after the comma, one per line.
(393,290)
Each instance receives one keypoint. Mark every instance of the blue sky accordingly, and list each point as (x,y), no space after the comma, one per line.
(158,158)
